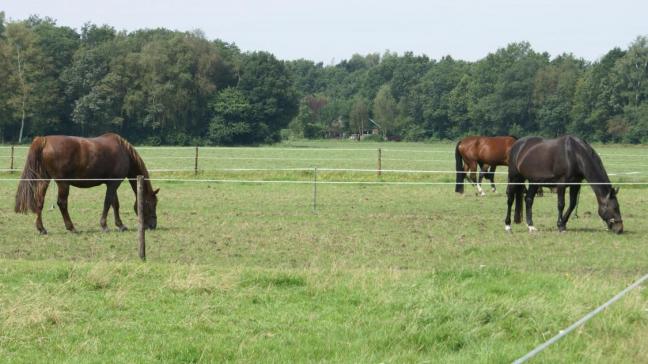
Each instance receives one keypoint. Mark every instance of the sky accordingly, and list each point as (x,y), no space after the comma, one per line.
(332,30)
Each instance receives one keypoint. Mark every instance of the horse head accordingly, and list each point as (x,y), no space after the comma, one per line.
(150,206)
(609,211)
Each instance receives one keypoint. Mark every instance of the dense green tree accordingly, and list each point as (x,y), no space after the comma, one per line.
(230,125)
(308,123)
(359,116)
(433,95)
(26,61)
(268,87)
(596,100)
(385,110)
(161,86)
(2,24)
(308,77)
(553,94)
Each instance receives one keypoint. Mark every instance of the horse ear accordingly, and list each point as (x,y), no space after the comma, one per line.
(156,191)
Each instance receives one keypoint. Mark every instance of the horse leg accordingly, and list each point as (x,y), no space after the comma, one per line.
(486,173)
(510,197)
(519,200)
(40,202)
(529,206)
(561,206)
(573,201)
(62,202)
(108,201)
(491,177)
(481,171)
(473,167)
(118,221)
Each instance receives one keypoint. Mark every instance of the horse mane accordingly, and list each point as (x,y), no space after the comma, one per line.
(134,156)
(597,163)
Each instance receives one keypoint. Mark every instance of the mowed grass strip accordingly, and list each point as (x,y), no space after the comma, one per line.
(249,272)
(125,312)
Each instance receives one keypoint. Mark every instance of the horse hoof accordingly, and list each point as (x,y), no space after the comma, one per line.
(105,229)
(532,228)
(507,228)
(123,228)
(43,232)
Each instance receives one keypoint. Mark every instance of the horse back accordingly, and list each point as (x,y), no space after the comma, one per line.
(75,157)
(545,160)
(489,150)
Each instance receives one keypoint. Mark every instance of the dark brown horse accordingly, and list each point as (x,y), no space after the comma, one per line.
(562,162)
(484,152)
(107,159)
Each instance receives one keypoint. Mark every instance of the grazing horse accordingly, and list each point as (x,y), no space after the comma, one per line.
(561,163)
(488,152)
(82,162)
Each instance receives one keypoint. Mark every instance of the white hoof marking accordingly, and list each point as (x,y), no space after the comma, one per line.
(532,228)
(507,228)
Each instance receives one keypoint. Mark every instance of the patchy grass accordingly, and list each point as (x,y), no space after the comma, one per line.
(248,272)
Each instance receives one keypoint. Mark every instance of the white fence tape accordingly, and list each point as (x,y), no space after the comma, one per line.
(324,182)
(306,169)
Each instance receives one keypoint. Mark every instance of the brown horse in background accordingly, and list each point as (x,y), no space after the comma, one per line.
(485,152)
(84,163)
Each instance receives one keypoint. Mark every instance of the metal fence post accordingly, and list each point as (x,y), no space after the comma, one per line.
(140,217)
(379,162)
(315,190)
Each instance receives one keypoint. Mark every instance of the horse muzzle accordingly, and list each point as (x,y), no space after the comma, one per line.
(615,226)
(151,225)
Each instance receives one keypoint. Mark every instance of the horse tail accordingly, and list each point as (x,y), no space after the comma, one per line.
(30,187)
(461,174)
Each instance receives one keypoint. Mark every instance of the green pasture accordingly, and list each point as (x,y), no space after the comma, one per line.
(250,272)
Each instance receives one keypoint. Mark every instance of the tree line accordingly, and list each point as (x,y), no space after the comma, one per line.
(157,86)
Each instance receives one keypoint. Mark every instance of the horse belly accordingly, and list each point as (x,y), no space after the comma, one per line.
(538,169)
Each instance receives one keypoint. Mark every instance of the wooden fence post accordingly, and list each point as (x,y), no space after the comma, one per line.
(11,167)
(379,161)
(140,217)
(196,163)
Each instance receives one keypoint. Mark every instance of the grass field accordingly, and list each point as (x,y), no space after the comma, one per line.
(378,273)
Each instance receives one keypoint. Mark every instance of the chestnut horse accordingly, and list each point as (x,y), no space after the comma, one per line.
(561,163)
(82,162)
(485,152)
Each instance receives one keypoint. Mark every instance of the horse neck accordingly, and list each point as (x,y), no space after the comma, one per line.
(595,174)
(137,168)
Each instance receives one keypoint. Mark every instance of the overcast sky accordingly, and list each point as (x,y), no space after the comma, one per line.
(332,30)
